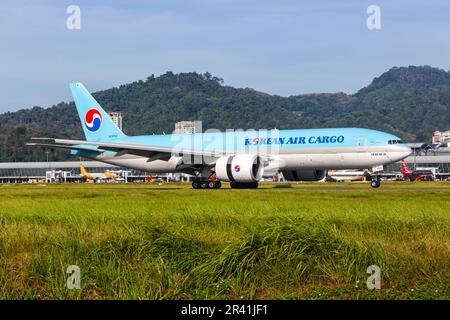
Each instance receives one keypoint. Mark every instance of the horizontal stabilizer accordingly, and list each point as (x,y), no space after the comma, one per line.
(66,147)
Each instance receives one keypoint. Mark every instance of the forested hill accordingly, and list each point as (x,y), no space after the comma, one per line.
(411,102)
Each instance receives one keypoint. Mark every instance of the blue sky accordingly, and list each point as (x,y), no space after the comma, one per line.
(280,47)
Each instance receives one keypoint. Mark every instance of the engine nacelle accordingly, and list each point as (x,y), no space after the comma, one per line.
(239,168)
(304,175)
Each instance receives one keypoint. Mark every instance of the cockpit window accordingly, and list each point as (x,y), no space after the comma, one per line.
(395,142)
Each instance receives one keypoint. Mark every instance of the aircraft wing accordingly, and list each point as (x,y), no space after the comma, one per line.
(152,152)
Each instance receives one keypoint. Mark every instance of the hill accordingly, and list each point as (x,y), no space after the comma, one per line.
(411,102)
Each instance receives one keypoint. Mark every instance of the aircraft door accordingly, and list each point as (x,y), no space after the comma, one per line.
(361,144)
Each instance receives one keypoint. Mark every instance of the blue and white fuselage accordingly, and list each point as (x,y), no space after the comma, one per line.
(336,148)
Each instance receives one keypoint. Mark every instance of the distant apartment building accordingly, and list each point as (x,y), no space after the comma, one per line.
(445,137)
(116,117)
(441,137)
(188,127)
(436,137)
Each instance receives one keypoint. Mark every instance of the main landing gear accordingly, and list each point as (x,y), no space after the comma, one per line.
(206,184)
(216,184)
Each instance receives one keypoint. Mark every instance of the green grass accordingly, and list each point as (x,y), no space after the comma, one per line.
(304,241)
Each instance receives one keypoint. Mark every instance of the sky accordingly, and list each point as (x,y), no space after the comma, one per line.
(282,47)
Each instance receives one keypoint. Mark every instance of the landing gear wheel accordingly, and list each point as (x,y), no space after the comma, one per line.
(195,185)
(211,185)
(375,183)
(217,184)
(204,184)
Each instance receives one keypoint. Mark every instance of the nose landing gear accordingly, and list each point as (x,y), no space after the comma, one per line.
(375,182)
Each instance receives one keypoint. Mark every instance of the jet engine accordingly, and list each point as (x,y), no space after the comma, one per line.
(304,175)
(239,168)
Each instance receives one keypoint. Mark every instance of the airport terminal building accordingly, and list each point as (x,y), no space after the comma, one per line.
(69,171)
(423,157)
(64,171)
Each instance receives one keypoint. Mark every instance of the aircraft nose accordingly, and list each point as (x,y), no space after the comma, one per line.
(407,150)
(403,152)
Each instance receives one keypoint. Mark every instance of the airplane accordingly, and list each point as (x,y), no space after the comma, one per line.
(235,156)
(346,175)
(416,175)
(97,177)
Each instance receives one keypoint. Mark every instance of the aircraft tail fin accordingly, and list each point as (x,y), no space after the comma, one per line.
(83,171)
(96,123)
(405,168)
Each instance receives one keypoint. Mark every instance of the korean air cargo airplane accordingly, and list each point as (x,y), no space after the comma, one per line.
(239,157)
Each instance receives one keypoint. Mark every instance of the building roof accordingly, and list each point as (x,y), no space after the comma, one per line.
(429,159)
(442,150)
(417,145)
(54,165)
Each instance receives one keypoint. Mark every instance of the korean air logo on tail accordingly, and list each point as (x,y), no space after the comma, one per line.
(93,120)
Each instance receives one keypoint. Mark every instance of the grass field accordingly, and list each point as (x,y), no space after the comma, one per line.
(307,241)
